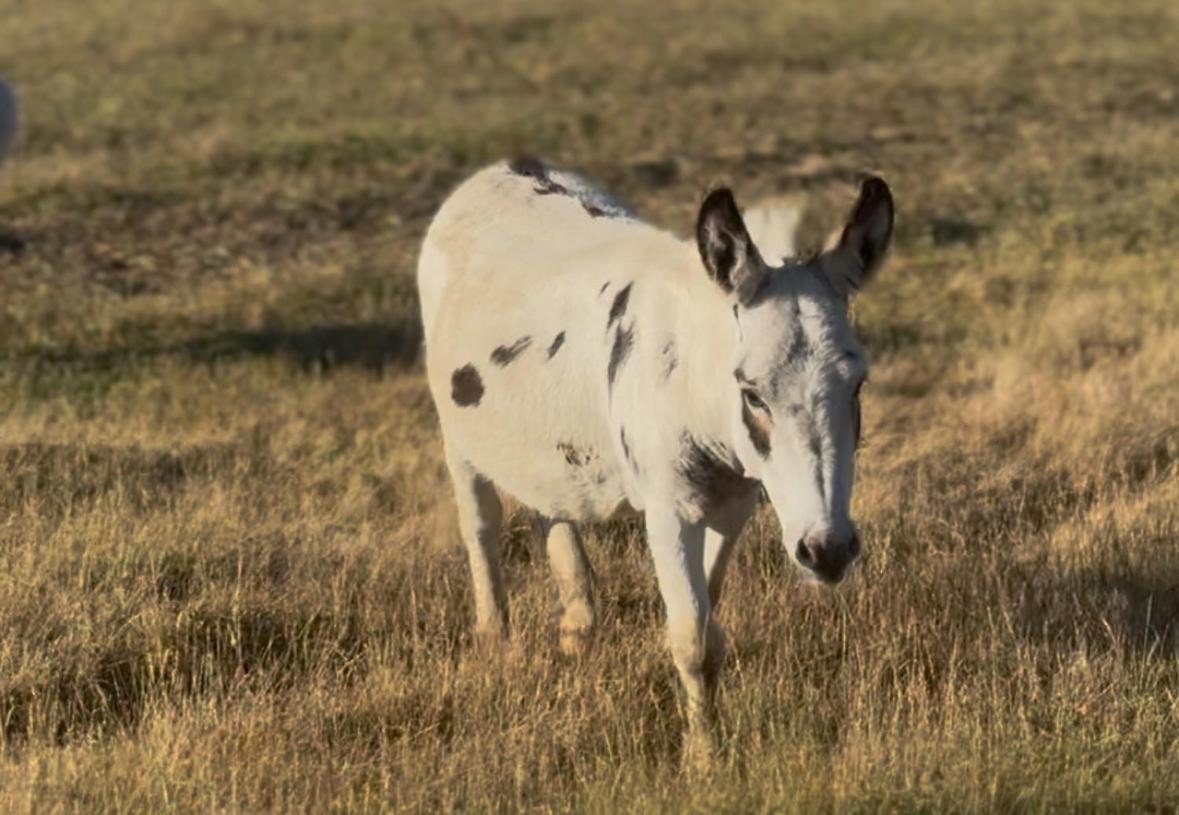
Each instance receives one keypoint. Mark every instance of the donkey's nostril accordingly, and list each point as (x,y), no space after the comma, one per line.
(826,558)
(804,554)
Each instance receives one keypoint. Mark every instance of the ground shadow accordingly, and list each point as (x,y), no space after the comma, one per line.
(208,653)
(11,243)
(1132,611)
(371,346)
(61,478)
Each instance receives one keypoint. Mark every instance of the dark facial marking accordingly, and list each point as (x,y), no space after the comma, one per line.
(624,340)
(618,307)
(605,286)
(757,433)
(558,341)
(466,386)
(713,481)
(504,354)
(815,444)
(800,348)
(670,359)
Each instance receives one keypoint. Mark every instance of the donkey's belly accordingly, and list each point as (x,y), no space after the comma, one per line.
(522,399)
(581,486)
(541,463)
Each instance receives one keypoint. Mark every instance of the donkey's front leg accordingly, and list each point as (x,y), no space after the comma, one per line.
(697,643)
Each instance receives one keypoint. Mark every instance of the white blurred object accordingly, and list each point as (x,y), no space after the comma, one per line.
(8,119)
(773,225)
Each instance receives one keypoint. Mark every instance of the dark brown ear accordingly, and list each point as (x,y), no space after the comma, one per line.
(726,248)
(861,247)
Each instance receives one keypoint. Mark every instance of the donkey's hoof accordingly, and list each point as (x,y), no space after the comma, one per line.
(700,750)
(491,639)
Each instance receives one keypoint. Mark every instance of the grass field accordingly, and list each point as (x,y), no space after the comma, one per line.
(229,580)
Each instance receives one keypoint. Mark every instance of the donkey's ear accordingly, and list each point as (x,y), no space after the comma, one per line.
(860,249)
(726,248)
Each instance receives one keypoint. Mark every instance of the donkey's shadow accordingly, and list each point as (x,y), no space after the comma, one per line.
(1127,610)
(370,346)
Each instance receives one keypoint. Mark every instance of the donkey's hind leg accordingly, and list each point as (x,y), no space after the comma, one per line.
(480,514)
(571,571)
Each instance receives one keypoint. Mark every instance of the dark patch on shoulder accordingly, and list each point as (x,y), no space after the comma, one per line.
(594,210)
(757,433)
(670,358)
(618,307)
(624,340)
(466,386)
(713,480)
(504,354)
(576,456)
(558,341)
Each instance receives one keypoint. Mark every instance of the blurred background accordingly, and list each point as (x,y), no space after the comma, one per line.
(228,578)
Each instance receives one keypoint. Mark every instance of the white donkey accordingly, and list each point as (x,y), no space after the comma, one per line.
(591,365)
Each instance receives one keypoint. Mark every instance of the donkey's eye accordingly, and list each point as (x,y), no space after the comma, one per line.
(753,400)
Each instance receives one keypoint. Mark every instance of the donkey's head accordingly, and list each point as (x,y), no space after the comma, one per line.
(798,369)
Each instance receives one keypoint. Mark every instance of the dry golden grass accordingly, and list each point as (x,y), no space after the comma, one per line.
(228,574)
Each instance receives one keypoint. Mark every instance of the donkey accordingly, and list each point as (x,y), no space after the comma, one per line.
(591,365)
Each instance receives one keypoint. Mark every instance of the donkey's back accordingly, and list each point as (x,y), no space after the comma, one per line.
(510,223)
(512,277)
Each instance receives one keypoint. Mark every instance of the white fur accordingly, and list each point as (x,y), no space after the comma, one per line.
(513,261)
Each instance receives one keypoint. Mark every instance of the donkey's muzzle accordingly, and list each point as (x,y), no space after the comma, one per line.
(826,557)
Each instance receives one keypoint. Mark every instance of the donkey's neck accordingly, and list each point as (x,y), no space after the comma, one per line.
(704,333)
